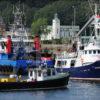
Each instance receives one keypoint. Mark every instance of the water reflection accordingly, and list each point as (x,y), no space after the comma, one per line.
(75,91)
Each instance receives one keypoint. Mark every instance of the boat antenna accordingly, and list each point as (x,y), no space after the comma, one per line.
(95,9)
(19,4)
(24,14)
(95,19)
(13,9)
(90,4)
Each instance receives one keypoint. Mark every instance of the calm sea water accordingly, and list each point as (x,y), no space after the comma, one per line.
(75,91)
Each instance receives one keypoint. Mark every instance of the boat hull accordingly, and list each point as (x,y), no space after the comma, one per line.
(35,85)
(88,72)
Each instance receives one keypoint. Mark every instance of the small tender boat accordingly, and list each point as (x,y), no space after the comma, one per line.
(38,78)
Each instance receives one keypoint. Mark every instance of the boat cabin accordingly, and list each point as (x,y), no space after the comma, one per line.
(40,74)
(91,53)
(65,63)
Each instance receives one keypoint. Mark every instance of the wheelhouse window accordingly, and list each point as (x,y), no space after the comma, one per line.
(44,73)
(39,72)
(72,63)
(48,72)
(59,63)
(63,62)
(53,72)
(31,73)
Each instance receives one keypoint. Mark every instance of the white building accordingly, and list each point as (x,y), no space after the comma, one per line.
(57,31)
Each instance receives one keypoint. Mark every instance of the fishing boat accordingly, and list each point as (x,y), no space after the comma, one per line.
(19,34)
(19,49)
(16,46)
(84,63)
(21,59)
(38,78)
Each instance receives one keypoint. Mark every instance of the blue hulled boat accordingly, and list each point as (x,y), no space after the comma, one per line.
(84,63)
(18,49)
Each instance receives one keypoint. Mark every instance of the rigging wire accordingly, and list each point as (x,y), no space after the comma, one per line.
(90,2)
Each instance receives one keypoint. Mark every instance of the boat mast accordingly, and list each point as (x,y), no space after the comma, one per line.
(96,15)
(18,28)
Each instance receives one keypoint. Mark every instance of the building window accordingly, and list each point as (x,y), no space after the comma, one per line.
(98,31)
(98,51)
(94,51)
(90,51)
(85,52)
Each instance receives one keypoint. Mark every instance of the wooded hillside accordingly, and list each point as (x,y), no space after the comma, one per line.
(35,9)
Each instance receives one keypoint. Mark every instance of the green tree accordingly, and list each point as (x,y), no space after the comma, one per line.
(39,26)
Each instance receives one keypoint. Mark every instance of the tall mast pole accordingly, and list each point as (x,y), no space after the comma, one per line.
(96,33)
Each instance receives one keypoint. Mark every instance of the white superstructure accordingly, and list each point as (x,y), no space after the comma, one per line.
(86,54)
